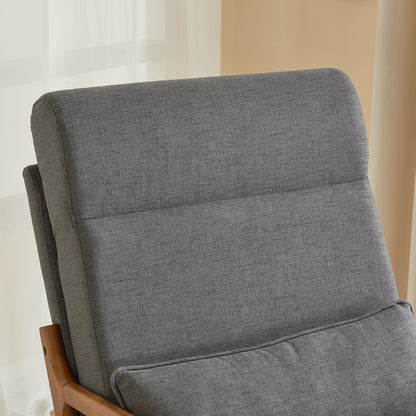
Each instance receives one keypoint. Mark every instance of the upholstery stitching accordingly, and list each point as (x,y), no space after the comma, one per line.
(79,217)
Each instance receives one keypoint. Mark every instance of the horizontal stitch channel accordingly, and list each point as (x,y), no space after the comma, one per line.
(79,217)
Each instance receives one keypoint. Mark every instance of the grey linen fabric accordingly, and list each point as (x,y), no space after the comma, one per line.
(48,257)
(196,216)
(366,367)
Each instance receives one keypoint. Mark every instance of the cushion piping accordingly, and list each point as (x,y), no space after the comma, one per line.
(245,349)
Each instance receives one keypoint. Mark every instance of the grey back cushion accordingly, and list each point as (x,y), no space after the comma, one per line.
(197,216)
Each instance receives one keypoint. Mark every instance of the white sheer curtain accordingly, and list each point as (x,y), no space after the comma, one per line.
(58,44)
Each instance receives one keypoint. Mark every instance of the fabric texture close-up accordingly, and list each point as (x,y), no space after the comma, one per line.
(225,218)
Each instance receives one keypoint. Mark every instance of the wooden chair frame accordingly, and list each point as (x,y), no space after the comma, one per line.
(68,396)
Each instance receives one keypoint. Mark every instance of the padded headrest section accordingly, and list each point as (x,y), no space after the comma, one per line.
(160,144)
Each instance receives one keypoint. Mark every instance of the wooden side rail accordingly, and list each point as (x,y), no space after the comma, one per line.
(68,396)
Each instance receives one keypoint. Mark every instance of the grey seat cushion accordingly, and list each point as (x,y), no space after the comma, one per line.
(362,367)
(195,216)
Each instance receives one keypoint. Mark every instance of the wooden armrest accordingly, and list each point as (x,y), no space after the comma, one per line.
(68,396)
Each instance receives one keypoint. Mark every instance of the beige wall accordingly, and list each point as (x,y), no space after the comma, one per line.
(279,35)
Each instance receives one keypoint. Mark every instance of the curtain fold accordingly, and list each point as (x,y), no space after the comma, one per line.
(393,137)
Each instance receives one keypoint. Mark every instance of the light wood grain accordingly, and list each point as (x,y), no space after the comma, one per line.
(68,396)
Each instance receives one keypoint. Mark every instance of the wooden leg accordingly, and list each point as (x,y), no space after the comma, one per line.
(57,368)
